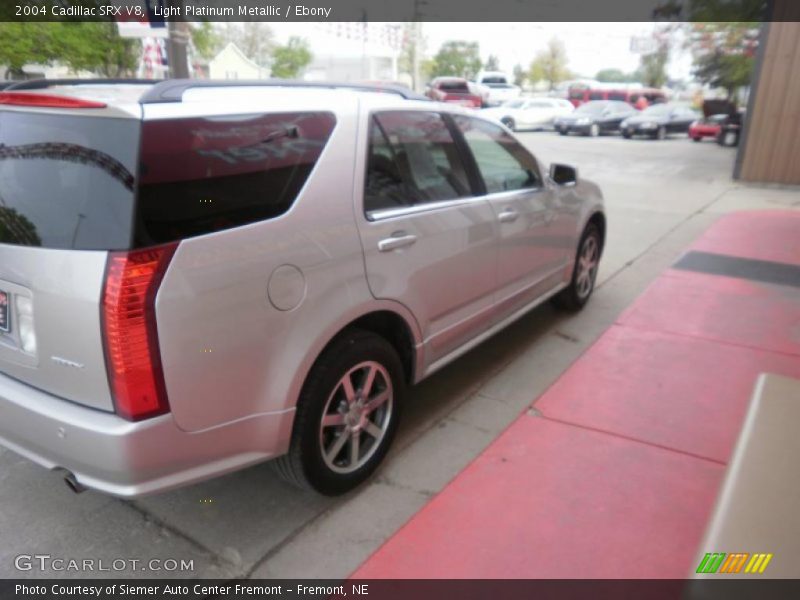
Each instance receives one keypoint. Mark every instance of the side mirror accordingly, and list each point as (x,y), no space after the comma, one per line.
(564,175)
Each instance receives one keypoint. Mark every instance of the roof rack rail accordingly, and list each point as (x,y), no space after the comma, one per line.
(41,84)
(172,90)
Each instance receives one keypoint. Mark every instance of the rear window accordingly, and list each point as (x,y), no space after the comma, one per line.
(203,175)
(74,182)
(67,181)
(458,87)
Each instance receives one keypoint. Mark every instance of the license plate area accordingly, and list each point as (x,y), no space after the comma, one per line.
(5,312)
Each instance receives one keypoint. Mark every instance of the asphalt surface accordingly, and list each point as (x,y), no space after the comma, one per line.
(660,196)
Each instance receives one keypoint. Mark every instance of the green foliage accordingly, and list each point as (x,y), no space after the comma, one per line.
(615,76)
(79,45)
(652,70)
(206,40)
(289,60)
(17,229)
(457,59)
(492,63)
(550,65)
(724,53)
(23,43)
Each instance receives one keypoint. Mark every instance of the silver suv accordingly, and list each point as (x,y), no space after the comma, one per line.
(198,276)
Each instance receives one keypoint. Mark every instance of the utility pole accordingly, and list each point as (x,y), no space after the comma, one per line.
(177,44)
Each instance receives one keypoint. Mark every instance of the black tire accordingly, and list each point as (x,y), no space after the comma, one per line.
(569,298)
(627,135)
(563,132)
(697,139)
(304,464)
(509,122)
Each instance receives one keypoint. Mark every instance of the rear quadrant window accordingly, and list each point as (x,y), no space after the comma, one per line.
(202,175)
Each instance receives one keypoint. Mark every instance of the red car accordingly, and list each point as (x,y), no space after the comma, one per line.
(705,128)
(715,113)
(453,89)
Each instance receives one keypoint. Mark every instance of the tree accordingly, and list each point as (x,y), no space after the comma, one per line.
(289,60)
(458,59)
(652,70)
(492,63)
(23,43)
(724,54)
(614,76)
(207,41)
(87,46)
(81,46)
(550,64)
(519,75)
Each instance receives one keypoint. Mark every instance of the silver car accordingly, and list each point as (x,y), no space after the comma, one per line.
(198,276)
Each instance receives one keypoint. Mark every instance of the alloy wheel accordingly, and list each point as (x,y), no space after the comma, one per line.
(356,417)
(588,260)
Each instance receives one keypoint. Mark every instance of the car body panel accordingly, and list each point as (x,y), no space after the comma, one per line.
(244,313)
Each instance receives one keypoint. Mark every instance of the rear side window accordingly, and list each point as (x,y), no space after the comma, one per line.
(67,181)
(503,163)
(412,159)
(617,96)
(202,175)
(596,96)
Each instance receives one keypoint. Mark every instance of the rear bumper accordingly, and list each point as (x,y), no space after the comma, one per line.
(114,456)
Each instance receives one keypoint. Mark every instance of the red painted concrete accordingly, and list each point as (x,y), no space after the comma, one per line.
(762,235)
(733,311)
(551,500)
(619,475)
(680,392)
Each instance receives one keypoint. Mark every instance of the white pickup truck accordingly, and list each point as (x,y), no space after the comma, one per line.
(495,88)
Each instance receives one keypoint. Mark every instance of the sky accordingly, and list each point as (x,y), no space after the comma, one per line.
(590,46)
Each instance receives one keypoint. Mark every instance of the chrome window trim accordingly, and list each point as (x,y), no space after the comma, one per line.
(390,213)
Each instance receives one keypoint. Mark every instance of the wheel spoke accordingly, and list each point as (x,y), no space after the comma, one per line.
(369,381)
(373,429)
(332,420)
(354,447)
(333,452)
(347,386)
(376,402)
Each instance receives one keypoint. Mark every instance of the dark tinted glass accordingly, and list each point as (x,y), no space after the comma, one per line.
(412,159)
(458,87)
(203,175)
(616,96)
(596,96)
(503,163)
(66,181)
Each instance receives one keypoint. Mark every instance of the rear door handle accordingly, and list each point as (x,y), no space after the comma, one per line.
(398,240)
(508,216)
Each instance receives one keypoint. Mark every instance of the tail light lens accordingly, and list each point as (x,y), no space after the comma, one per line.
(131,337)
(46,101)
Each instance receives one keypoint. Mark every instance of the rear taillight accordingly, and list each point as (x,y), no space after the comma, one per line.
(46,101)
(129,327)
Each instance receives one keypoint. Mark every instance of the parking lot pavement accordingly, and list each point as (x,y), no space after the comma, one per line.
(660,196)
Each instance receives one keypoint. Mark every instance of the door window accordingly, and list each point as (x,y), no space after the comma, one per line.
(412,159)
(503,163)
